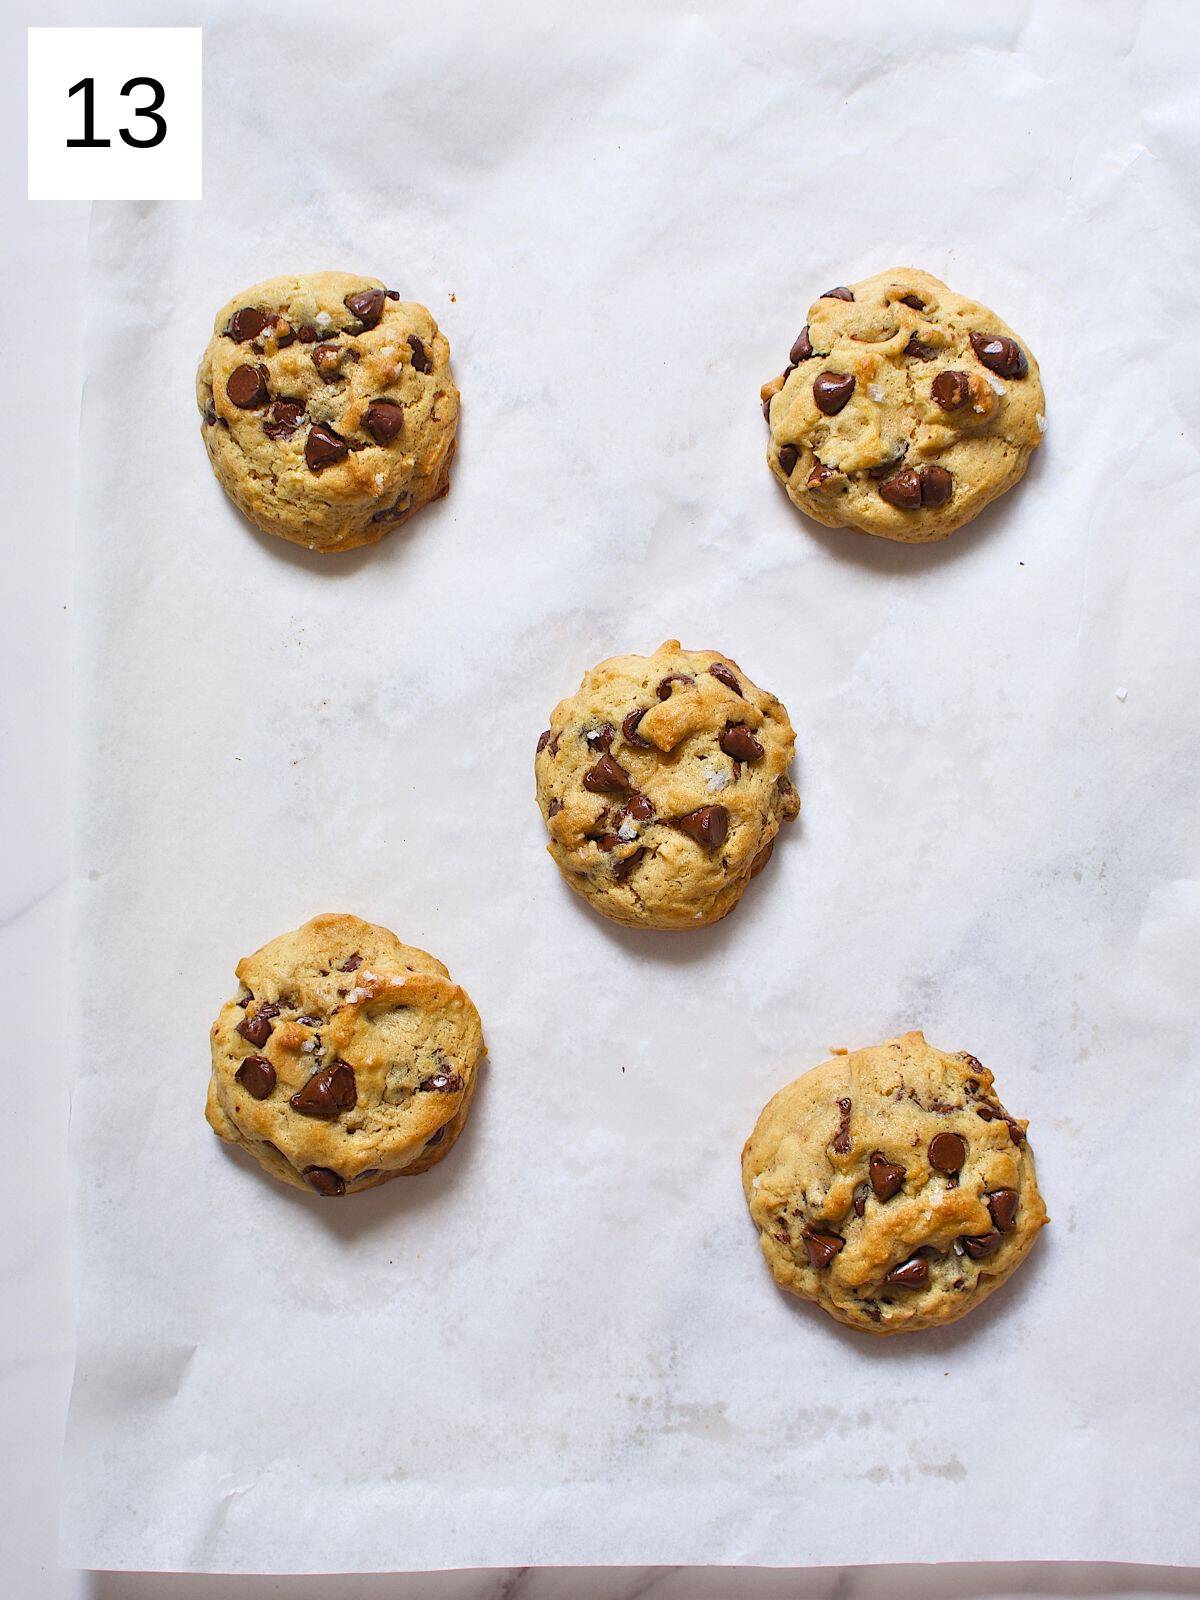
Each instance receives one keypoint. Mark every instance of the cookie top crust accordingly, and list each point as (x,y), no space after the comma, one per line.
(663,782)
(346,1057)
(328,410)
(892,1187)
(905,408)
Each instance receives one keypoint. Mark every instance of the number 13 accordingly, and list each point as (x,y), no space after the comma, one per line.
(90,141)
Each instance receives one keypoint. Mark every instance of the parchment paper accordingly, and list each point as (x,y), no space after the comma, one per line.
(562,1345)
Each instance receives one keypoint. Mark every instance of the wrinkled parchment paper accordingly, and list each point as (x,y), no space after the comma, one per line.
(562,1345)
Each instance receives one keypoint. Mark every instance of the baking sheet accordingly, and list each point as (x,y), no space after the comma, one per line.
(561,1345)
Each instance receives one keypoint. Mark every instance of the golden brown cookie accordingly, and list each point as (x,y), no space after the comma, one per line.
(905,408)
(345,1059)
(892,1187)
(328,408)
(663,782)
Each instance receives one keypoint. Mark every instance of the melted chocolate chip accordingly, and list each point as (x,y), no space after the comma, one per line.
(392,294)
(256,1030)
(601,738)
(441,1083)
(351,963)
(820,476)
(630,729)
(1002,1203)
(543,740)
(247,323)
(606,777)
(723,675)
(622,869)
(639,807)
(384,421)
(330,1091)
(709,826)
(910,1274)
(436,1138)
(821,1247)
(919,350)
(325,1180)
(951,390)
(554,807)
(802,349)
(327,358)
(257,1076)
(788,456)
(985,1244)
(286,417)
(937,485)
(831,391)
(664,688)
(913,300)
(840,293)
(1000,354)
(842,1142)
(420,356)
(366,305)
(738,742)
(902,489)
(887,1177)
(246,387)
(947,1152)
(323,447)
(307,334)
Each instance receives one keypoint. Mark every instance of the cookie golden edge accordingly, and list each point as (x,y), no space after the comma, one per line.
(777,1156)
(348,515)
(586,874)
(406,970)
(826,503)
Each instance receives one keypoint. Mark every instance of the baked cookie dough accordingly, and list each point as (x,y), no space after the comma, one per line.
(892,1187)
(663,781)
(905,408)
(346,1058)
(328,408)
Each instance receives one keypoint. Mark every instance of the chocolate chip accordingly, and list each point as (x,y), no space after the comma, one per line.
(600,738)
(367,1172)
(392,294)
(937,485)
(788,456)
(802,349)
(860,1199)
(330,1091)
(821,1247)
(554,807)
(441,1083)
(919,350)
(325,1180)
(351,963)
(630,729)
(639,806)
(831,391)
(910,1274)
(1000,354)
(286,417)
(709,826)
(366,305)
(436,1138)
(840,293)
(420,356)
(210,416)
(947,1152)
(738,742)
(256,1030)
(820,476)
(384,421)
(843,1143)
(606,777)
(902,489)
(246,387)
(324,447)
(887,1177)
(257,1076)
(664,688)
(622,869)
(247,323)
(723,675)
(913,300)
(985,1244)
(543,740)
(307,334)
(951,390)
(1002,1203)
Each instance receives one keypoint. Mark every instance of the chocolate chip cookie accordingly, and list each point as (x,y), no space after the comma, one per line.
(904,409)
(346,1057)
(328,408)
(892,1187)
(663,782)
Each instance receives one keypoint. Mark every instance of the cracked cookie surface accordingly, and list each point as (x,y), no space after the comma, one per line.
(892,1187)
(905,408)
(345,1059)
(663,782)
(328,410)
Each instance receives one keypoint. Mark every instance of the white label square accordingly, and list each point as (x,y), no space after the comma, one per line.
(115,113)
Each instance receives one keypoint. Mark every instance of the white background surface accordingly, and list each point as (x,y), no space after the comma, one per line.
(42,257)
